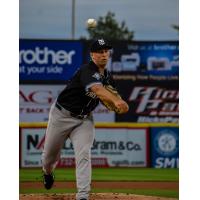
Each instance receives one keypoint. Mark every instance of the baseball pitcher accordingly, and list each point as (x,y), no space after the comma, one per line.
(71,117)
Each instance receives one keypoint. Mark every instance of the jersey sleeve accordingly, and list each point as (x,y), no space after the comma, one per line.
(89,78)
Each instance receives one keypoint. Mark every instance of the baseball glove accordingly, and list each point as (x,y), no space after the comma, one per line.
(108,105)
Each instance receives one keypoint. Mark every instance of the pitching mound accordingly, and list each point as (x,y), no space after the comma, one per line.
(96,196)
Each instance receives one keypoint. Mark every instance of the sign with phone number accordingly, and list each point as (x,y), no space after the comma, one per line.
(119,147)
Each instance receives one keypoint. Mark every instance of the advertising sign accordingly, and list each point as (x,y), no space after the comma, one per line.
(35,101)
(32,142)
(149,100)
(112,147)
(158,58)
(121,147)
(144,57)
(165,147)
(41,60)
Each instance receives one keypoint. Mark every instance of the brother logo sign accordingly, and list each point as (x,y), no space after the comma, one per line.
(45,56)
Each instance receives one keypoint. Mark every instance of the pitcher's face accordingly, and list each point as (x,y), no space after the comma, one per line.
(100,57)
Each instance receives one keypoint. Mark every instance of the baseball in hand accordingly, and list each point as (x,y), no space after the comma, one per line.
(91,23)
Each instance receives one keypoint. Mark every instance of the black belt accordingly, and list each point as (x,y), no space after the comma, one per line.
(71,114)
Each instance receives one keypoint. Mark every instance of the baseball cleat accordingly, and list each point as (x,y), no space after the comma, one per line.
(48,180)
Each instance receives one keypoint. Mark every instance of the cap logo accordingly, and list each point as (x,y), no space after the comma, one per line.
(101,42)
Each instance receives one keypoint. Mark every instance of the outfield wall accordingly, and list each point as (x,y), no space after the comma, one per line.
(116,145)
(146,74)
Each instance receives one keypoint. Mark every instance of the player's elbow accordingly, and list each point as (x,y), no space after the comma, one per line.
(97,89)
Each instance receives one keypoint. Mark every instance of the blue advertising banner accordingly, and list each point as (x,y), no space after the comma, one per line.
(159,58)
(150,58)
(42,60)
(165,147)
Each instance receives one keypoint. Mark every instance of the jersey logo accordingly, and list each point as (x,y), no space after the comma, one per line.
(96,75)
(91,94)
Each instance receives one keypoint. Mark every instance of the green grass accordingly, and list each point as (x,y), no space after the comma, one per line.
(107,174)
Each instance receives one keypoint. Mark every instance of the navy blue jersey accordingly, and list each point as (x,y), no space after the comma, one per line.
(77,96)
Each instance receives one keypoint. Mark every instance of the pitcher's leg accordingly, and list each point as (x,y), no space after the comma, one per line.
(82,138)
(55,137)
(54,141)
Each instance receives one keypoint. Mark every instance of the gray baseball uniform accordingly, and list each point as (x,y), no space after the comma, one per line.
(70,117)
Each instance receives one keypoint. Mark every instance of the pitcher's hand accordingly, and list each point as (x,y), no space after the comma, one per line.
(122,106)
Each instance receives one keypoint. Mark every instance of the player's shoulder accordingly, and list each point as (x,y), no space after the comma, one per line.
(84,66)
(88,67)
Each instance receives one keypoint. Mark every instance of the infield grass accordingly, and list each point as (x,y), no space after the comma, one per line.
(107,174)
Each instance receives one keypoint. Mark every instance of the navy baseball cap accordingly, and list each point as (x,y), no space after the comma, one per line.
(99,45)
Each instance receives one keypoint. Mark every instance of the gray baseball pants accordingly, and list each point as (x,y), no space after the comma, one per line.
(62,126)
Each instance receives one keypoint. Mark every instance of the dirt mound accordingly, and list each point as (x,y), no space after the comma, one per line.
(96,196)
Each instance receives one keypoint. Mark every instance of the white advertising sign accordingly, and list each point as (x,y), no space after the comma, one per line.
(121,146)
(112,147)
(35,102)
(32,142)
